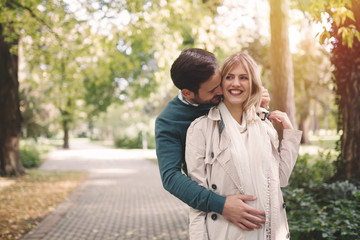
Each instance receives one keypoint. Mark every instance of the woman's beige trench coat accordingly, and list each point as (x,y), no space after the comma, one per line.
(209,162)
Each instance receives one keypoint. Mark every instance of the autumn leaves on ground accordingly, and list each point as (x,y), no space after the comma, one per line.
(25,201)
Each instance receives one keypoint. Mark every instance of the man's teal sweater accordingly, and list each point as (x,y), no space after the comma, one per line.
(170,135)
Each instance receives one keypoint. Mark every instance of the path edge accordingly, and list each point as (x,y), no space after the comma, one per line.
(54,217)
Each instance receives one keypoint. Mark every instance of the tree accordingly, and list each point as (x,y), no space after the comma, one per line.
(10,117)
(346,59)
(153,38)
(281,61)
(344,36)
(11,13)
(18,18)
(59,66)
(77,67)
(312,78)
(37,23)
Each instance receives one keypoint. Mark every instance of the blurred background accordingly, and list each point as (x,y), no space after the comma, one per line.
(99,69)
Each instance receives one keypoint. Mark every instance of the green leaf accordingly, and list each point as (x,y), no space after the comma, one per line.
(344,36)
(357,34)
(340,30)
(352,26)
(350,15)
(350,38)
(324,35)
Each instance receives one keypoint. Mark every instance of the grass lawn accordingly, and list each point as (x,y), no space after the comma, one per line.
(26,200)
(325,141)
(320,143)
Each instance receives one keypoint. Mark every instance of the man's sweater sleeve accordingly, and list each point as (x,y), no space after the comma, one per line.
(170,154)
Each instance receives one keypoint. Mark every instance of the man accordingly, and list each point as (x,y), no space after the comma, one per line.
(196,74)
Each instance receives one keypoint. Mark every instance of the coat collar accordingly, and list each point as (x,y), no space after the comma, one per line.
(215,115)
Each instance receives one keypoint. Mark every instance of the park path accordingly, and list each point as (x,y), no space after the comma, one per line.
(121,198)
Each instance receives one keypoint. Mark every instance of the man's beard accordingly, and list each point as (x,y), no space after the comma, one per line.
(215,100)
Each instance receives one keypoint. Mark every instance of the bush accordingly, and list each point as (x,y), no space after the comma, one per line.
(130,143)
(135,142)
(310,170)
(30,156)
(318,210)
(322,214)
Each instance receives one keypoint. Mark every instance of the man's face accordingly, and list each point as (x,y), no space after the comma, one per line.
(210,92)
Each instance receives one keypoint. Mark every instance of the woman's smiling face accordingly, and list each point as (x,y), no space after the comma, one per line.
(236,86)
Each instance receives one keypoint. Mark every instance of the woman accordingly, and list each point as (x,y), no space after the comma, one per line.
(232,150)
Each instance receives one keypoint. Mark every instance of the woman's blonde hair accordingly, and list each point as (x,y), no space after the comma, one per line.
(253,72)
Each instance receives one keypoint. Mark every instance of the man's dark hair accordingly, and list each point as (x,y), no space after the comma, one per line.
(193,67)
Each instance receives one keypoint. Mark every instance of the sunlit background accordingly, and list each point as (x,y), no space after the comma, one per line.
(116,56)
(98,71)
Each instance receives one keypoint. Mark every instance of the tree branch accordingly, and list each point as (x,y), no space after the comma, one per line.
(13,4)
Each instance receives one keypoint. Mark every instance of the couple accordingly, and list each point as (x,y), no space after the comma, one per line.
(232,159)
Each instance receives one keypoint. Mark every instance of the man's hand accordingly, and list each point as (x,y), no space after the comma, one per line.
(242,215)
(265,101)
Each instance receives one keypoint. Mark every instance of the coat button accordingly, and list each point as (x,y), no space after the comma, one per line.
(214,216)
(213,186)
(212,154)
(284,205)
(287,235)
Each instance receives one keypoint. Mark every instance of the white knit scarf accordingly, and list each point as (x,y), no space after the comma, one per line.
(252,156)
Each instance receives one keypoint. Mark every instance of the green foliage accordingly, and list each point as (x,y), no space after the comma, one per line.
(324,211)
(134,142)
(30,156)
(311,170)
(32,150)
(260,52)
(35,115)
(337,11)
(318,210)
(127,142)
(313,85)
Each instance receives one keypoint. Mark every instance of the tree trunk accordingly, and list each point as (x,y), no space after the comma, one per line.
(316,118)
(10,116)
(305,118)
(347,78)
(144,139)
(66,134)
(304,126)
(65,113)
(281,62)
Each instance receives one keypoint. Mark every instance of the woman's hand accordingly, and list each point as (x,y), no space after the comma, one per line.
(281,118)
(265,100)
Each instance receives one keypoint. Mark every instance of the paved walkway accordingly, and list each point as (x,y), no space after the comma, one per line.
(122,198)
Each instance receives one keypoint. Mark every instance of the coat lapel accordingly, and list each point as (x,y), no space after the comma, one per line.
(221,148)
(222,153)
